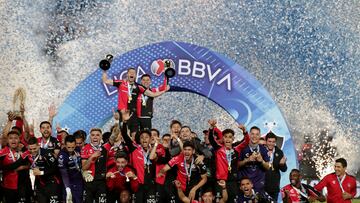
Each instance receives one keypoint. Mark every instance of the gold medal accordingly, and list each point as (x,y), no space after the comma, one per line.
(129,99)
(229,168)
(271,166)
(144,103)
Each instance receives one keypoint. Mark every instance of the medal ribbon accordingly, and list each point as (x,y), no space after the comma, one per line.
(302,192)
(144,99)
(253,196)
(13,157)
(33,165)
(146,155)
(272,156)
(188,172)
(229,154)
(96,148)
(341,181)
(130,89)
(75,158)
(256,149)
(44,146)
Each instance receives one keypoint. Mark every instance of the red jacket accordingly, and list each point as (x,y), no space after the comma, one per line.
(10,176)
(331,182)
(119,181)
(220,155)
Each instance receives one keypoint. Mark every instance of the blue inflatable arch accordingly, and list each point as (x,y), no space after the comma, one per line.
(199,70)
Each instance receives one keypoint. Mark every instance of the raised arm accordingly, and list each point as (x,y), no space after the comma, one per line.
(181,194)
(128,142)
(202,182)
(106,80)
(149,93)
(163,170)
(245,141)
(214,144)
(7,128)
(153,155)
(225,196)
(52,112)
(175,149)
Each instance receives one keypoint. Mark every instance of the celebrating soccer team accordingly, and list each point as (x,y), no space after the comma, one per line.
(133,162)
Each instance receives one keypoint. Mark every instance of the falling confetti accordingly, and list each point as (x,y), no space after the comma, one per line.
(305,53)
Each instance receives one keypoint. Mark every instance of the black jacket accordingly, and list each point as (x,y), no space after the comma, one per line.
(272,177)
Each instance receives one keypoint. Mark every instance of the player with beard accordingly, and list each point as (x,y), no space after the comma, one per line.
(227,156)
(140,160)
(128,92)
(94,158)
(145,104)
(69,163)
(250,195)
(160,155)
(120,178)
(80,137)
(186,135)
(277,163)
(207,194)
(299,192)
(254,160)
(341,187)
(44,167)
(16,183)
(46,141)
(192,176)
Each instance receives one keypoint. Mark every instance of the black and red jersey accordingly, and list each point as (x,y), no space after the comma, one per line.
(188,175)
(224,155)
(47,163)
(9,161)
(295,195)
(50,144)
(139,159)
(98,166)
(145,104)
(127,94)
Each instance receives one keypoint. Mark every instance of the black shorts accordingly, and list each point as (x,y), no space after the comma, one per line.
(145,194)
(51,192)
(133,123)
(95,191)
(145,123)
